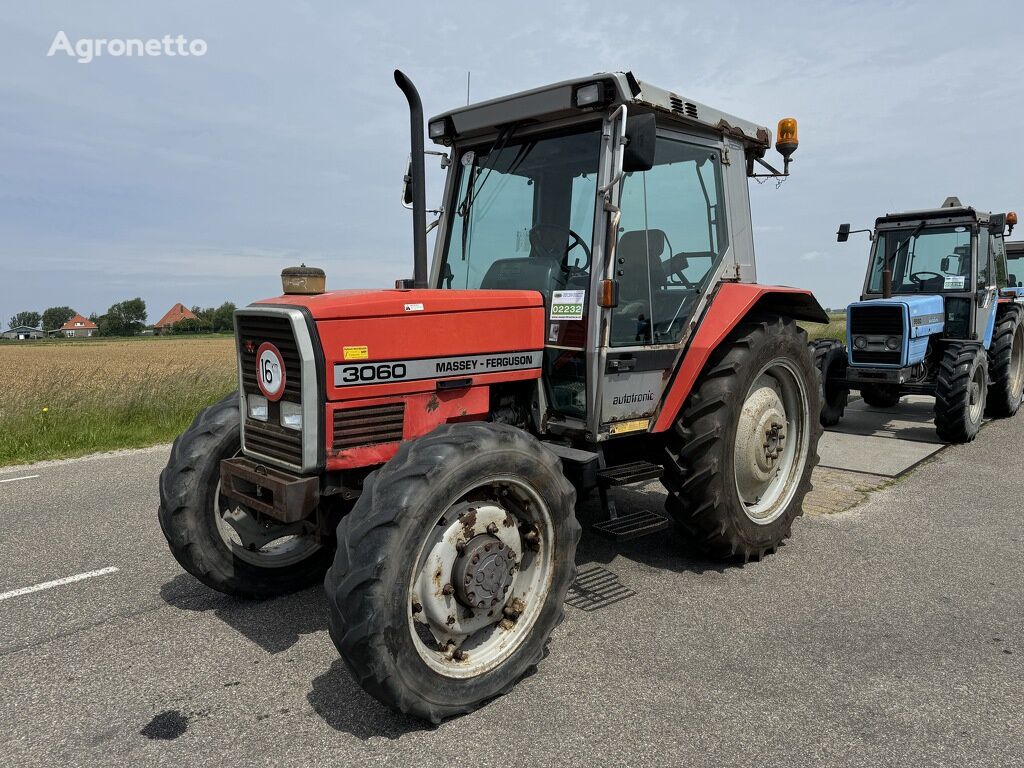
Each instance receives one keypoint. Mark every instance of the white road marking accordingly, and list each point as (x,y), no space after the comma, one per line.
(57,583)
(16,479)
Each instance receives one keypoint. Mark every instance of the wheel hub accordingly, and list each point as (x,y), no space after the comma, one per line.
(483,572)
(760,441)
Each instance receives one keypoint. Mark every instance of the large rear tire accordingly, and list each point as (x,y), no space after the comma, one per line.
(740,456)
(880,395)
(960,391)
(831,362)
(1006,364)
(452,569)
(192,518)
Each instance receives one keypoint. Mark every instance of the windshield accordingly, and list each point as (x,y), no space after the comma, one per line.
(523,217)
(934,260)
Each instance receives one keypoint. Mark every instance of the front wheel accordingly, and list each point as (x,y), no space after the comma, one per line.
(960,391)
(223,545)
(452,569)
(830,360)
(740,457)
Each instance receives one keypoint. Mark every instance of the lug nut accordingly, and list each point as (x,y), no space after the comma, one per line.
(492,528)
(448,589)
(459,655)
(416,607)
(506,624)
(514,609)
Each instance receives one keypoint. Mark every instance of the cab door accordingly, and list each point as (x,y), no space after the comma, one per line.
(985,287)
(672,236)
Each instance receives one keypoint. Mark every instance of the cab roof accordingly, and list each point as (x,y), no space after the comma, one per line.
(556,101)
(950,210)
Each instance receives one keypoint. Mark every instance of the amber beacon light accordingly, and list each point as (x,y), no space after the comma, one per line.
(786,140)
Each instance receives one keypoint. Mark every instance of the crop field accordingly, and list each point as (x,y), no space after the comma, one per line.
(836,328)
(69,398)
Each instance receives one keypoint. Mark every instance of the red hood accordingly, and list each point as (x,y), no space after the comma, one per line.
(362,303)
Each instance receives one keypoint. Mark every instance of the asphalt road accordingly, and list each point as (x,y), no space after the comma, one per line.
(892,634)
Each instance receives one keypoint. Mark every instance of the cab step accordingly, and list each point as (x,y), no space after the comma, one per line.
(633,525)
(629,473)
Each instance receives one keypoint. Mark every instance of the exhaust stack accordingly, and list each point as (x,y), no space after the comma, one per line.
(419,205)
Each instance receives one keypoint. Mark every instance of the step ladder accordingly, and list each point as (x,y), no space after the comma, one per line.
(634,524)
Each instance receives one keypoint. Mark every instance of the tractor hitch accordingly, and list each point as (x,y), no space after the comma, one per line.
(272,492)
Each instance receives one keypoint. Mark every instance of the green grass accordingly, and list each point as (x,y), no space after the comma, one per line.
(71,399)
(836,328)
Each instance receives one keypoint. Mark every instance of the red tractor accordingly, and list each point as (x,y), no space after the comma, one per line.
(590,319)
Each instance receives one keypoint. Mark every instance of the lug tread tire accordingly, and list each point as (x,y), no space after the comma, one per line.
(830,359)
(1001,402)
(952,391)
(370,570)
(698,450)
(187,485)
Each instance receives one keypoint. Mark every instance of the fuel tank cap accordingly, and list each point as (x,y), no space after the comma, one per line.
(303,280)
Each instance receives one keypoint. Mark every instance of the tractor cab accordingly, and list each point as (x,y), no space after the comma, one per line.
(1015,268)
(623,205)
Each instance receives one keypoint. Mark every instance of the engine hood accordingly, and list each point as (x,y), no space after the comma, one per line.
(358,303)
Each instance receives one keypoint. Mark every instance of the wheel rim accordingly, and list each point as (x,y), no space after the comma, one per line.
(462,631)
(1016,371)
(772,441)
(976,395)
(279,552)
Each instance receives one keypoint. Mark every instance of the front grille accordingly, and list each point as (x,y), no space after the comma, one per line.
(269,438)
(876,321)
(374,424)
(879,322)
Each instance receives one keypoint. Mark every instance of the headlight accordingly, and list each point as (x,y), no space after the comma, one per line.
(892,343)
(257,405)
(860,342)
(291,415)
(589,95)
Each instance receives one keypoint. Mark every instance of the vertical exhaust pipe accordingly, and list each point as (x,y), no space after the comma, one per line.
(419,204)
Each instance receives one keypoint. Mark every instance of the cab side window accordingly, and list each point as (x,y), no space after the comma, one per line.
(672,236)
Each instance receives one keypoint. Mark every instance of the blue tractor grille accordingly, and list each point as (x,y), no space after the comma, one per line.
(877,321)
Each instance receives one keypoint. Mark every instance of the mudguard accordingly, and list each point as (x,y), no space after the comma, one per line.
(729,306)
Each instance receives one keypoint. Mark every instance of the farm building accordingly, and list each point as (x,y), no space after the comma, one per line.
(22,333)
(78,326)
(175,314)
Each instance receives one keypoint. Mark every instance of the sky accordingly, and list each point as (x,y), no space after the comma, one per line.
(196,179)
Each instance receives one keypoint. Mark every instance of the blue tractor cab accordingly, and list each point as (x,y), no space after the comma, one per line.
(939,315)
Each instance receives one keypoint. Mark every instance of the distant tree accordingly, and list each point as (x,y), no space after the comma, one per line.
(224,318)
(126,318)
(55,317)
(31,319)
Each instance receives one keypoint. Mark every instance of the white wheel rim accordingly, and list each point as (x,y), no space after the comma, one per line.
(772,442)
(1017,363)
(976,401)
(460,641)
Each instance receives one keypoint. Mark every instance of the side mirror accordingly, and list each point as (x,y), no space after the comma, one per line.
(997,223)
(843,234)
(944,264)
(641,133)
(407,186)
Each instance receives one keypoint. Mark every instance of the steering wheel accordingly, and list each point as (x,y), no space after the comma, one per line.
(545,239)
(675,267)
(915,279)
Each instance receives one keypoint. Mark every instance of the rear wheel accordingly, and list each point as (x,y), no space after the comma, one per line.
(830,360)
(452,569)
(880,395)
(1006,358)
(223,545)
(740,457)
(960,392)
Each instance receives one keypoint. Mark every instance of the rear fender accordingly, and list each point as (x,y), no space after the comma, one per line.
(730,305)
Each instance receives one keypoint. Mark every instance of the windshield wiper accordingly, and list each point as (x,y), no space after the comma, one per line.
(472,190)
(896,255)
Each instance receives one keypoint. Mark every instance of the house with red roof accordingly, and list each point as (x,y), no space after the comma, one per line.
(78,326)
(175,314)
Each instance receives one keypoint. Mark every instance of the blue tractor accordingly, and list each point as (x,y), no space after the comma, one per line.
(940,314)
